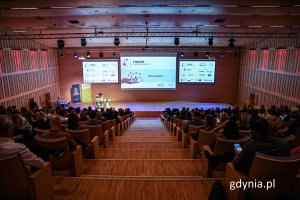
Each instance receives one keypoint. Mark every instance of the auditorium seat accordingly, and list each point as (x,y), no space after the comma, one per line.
(16,183)
(96,130)
(63,161)
(84,138)
(281,170)
(222,146)
(205,138)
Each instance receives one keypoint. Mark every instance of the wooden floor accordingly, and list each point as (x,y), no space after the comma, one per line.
(144,163)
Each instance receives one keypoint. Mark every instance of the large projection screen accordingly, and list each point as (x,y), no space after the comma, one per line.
(148,71)
(197,71)
(100,71)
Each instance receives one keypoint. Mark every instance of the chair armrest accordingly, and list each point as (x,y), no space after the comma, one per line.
(178,133)
(233,176)
(41,184)
(113,132)
(106,139)
(206,164)
(77,161)
(94,146)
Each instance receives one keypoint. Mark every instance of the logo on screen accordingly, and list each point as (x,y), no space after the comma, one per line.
(126,63)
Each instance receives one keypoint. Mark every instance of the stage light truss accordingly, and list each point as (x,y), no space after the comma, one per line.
(21,36)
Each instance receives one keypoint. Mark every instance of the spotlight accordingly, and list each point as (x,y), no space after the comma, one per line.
(83,42)
(196,54)
(207,54)
(61,55)
(176,41)
(231,42)
(117,41)
(100,55)
(60,44)
(210,41)
(181,54)
(88,54)
(114,54)
(222,55)
(75,55)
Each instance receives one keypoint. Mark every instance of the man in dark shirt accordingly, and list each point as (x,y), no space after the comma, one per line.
(93,121)
(263,143)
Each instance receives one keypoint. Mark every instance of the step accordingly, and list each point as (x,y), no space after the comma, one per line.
(110,153)
(96,188)
(129,138)
(143,167)
(145,145)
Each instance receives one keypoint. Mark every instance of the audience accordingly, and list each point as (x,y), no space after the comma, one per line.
(10,147)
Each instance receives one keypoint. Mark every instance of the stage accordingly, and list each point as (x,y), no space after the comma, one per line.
(153,109)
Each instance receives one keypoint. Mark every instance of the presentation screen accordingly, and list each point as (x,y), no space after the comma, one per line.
(148,71)
(100,71)
(197,71)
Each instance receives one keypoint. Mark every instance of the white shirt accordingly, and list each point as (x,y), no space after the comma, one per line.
(9,147)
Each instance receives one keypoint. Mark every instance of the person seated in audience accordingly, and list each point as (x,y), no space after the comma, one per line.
(83,116)
(9,147)
(231,129)
(99,116)
(93,121)
(73,122)
(244,121)
(52,113)
(195,122)
(274,125)
(32,104)
(55,132)
(42,122)
(262,142)
(210,123)
(62,114)
(254,117)
(294,114)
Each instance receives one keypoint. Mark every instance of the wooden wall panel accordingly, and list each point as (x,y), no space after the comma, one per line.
(27,70)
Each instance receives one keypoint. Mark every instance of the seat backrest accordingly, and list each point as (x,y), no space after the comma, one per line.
(107,125)
(95,130)
(192,129)
(82,136)
(58,149)
(206,138)
(224,145)
(297,137)
(245,132)
(184,124)
(281,170)
(39,131)
(14,178)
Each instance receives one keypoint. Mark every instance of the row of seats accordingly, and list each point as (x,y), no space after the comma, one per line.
(283,170)
(18,184)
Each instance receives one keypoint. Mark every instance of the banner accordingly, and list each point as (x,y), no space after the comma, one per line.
(75,93)
(86,92)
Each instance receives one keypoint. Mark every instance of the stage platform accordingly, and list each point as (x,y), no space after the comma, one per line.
(153,109)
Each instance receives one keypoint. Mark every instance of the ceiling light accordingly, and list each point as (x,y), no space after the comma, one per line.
(231,42)
(181,54)
(100,55)
(83,42)
(24,8)
(61,55)
(117,41)
(75,55)
(210,41)
(207,54)
(176,41)
(88,54)
(60,44)
(196,54)
(222,55)
(114,54)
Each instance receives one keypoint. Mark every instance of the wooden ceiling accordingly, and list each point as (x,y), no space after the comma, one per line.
(154,22)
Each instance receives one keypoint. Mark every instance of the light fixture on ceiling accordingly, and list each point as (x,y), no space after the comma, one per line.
(181,54)
(176,41)
(210,41)
(100,55)
(114,54)
(207,55)
(117,41)
(60,44)
(61,55)
(222,55)
(83,42)
(231,42)
(88,54)
(75,55)
(196,54)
